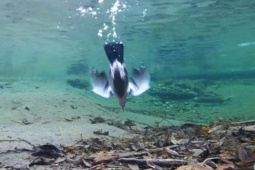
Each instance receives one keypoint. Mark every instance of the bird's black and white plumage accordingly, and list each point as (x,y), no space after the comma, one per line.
(118,82)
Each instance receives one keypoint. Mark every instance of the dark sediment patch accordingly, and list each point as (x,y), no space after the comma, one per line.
(78,83)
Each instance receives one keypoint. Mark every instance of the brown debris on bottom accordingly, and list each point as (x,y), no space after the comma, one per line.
(224,146)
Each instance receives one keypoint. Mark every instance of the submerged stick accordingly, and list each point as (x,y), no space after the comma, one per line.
(18,140)
(159,162)
(244,122)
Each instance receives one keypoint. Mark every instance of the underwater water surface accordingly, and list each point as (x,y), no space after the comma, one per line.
(200,54)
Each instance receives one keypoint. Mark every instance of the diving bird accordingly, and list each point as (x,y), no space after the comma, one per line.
(118,82)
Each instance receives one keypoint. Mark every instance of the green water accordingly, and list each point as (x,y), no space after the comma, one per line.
(201,49)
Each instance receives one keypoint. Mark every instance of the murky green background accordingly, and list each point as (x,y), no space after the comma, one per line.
(200,54)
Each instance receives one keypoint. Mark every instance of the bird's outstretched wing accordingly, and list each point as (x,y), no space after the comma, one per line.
(140,81)
(100,84)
